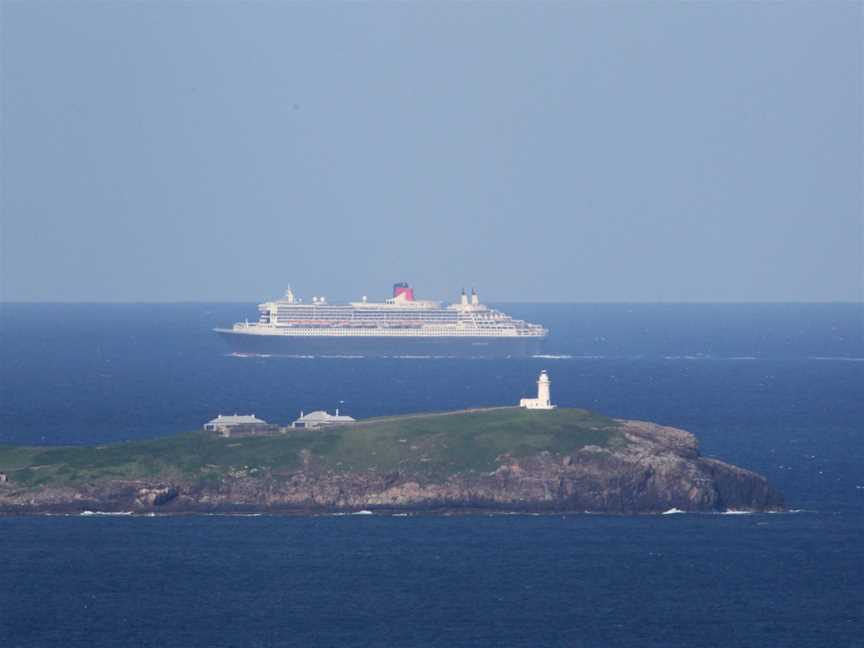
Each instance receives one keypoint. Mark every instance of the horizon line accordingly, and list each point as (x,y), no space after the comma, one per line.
(503,301)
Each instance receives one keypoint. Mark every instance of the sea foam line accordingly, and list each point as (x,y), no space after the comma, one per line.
(836,358)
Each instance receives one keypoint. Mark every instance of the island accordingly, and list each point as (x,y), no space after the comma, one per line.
(504,459)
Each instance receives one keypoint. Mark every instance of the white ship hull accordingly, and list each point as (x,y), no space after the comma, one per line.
(382,346)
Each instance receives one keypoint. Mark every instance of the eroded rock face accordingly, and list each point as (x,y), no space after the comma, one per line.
(659,468)
(156,495)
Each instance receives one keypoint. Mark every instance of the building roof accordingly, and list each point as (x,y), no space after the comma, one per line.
(236,419)
(320,416)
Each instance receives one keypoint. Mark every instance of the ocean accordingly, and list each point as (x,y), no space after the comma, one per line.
(775,388)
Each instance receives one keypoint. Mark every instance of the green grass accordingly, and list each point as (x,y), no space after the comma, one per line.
(434,445)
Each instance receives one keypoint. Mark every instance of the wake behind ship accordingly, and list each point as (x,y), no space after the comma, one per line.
(399,326)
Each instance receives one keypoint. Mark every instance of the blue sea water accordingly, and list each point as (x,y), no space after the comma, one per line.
(774,388)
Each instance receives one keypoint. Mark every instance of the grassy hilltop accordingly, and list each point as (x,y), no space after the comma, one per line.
(432,444)
(491,459)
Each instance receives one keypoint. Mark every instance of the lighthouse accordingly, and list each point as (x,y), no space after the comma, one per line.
(543,400)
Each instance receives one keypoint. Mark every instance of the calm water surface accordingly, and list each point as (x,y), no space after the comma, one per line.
(774,388)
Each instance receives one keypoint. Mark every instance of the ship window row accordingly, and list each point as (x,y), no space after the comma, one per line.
(342,332)
(388,316)
(347,311)
(385,319)
(359,323)
(510,330)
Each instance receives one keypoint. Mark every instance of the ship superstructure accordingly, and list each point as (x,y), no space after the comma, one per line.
(401,325)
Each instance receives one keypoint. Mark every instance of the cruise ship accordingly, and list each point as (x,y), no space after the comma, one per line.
(399,326)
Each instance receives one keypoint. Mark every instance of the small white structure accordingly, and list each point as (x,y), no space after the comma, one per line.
(228,421)
(543,400)
(320,418)
(239,425)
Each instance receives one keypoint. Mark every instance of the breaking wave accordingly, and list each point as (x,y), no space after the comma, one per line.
(237,354)
(688,357)
(837,358)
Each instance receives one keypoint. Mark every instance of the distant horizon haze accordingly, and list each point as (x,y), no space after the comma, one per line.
(441,299)
(579,153)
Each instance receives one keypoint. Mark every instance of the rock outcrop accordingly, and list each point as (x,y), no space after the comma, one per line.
(156,496)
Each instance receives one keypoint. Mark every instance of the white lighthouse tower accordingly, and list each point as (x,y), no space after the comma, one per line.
(543,400)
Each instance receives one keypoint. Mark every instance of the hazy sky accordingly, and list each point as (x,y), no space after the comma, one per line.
(166,151)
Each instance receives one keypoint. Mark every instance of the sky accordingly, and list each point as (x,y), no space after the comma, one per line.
(566,151)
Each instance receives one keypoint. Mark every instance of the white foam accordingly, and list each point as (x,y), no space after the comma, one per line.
(554,357)
(363,512)
(106,513)
(688,357)
(672,511)
(838,358)
(735,512)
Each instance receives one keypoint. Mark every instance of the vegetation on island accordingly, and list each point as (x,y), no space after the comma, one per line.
(429,444)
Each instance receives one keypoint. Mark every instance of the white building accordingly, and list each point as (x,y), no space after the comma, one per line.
(320,418)
(543,400)
(239,425)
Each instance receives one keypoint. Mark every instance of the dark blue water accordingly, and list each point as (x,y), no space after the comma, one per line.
(775,388)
